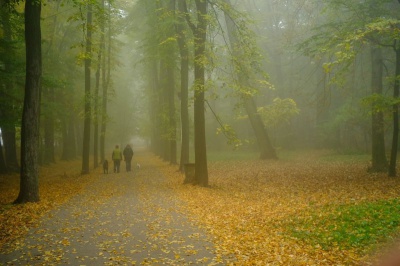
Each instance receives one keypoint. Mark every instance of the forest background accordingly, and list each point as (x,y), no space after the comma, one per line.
(262,77)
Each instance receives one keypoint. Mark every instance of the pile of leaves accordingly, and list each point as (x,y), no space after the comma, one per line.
(306,210)
(57,183)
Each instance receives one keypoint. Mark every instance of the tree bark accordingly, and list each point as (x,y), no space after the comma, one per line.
(106,76)
(184,96)
(8,112)
(201,169)
(379,161)
(395,140)
(29,185)
(88,110)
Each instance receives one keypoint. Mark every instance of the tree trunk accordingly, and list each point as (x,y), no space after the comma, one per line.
(88,111)
(201,169)
(99,71)
(379,162)
(96,113)
(267,150)
(8,113)
(393,154)
(171,111)
(164,115)
(184,53)
(105,84)
(29,185)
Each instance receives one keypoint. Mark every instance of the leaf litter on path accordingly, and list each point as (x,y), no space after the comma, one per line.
(126,218)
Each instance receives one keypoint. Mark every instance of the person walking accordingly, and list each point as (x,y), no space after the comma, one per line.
(128,154)
(116,157)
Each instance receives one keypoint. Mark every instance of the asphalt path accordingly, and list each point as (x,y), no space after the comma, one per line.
(126,218)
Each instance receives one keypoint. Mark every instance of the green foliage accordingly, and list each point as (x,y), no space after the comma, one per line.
(280,111)
(376,103)
(230,135)
(348,226)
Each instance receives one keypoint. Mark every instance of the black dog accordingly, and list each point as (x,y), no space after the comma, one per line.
(105,166)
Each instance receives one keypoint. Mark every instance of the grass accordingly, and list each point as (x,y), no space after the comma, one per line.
(349,226)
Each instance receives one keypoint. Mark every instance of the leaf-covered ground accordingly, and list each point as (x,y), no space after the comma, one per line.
(305,209)
(128,218)
(58,183)
(311,209)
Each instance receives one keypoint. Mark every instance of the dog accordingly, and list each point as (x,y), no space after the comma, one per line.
(137,166)
(105,167)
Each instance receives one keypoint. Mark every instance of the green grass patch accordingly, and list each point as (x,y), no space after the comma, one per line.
(349,226)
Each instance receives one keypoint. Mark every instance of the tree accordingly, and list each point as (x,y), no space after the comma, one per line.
(29,187)
(184,76)
(264,143)
(379,162)
(11,99)
(88,110)
(199,34)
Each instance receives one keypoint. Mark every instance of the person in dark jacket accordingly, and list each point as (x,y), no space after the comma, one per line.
(128,154)
(116,157)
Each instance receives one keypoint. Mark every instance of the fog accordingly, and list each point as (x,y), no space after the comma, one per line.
(271,76)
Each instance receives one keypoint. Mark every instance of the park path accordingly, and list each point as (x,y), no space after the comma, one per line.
(121,219)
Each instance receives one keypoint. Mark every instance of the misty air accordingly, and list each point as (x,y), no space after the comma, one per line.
(199,132)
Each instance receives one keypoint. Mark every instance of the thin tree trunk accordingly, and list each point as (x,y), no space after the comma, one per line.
(29,185)
(102,73)
(393,155)
(96,113)
(379,161)
(184,53)
(172,120)
(105,82)
(88,111)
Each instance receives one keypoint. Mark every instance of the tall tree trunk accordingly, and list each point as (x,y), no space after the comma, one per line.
(164,111)
(395,140)
(171,109)
(170,86)
(29,185)
(8,113)
(267,150)
(379,162)
(101,72)
(184,53)
(155,108)
(201,169)
(105,84)
(96,112)
(88,111)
